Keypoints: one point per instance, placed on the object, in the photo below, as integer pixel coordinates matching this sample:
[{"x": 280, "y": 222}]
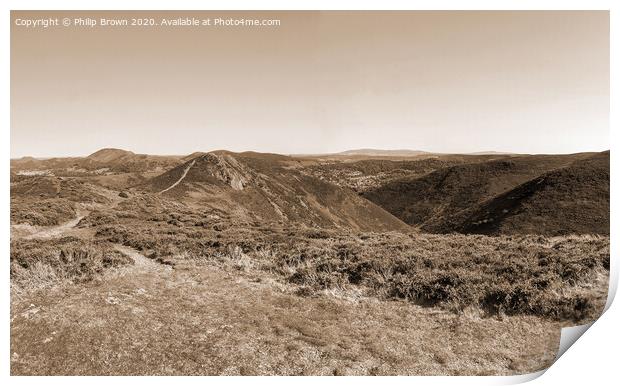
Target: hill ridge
[
  {"x": 570, "y": 200},
  {"x": 256, "y": 187},
  {"x": 443, "y": 201}
]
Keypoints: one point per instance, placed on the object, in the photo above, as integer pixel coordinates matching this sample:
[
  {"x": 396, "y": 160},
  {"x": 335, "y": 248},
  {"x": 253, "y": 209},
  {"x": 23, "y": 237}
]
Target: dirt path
[
  {"x": 27, "y": 231},
  {"x": 180, "y": 179},
  {"x": 141, "y": 262},
  {"x": 58, "y": 230},
  {"x": 208, "y": 320}
]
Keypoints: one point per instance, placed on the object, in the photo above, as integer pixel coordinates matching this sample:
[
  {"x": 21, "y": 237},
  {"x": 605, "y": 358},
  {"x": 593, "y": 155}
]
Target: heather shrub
[{"x": 37, "y": 264}]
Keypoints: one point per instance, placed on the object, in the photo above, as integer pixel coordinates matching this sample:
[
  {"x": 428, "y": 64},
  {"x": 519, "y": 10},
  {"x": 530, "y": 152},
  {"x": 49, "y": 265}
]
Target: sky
[{"x": 320, "y": 82}]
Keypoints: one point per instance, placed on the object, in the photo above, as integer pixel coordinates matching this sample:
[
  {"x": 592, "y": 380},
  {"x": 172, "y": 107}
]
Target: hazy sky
[{"x": 534, "y": 82}]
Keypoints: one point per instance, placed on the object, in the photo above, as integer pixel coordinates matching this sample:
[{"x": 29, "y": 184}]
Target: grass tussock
[{"x": 38, "y": 264}]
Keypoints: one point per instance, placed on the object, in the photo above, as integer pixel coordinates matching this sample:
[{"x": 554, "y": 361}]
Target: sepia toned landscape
[
  {"x": 357, "y": 263},
  {"x": 305, "y": 192}
]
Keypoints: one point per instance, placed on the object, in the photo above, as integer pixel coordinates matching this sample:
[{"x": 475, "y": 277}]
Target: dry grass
[
  {"x": 39, "y": 264},
  {"x": 526, "y": 275},
  {"x": 211, "y": 321}
]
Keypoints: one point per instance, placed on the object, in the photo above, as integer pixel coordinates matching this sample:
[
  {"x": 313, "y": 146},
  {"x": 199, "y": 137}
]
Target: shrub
[
  {"x": 45, "y": 212},
  {"x": 37, "y": 264}
]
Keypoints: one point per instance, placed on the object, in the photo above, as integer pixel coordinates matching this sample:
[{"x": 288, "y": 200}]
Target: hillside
[
  {"x": 32, "y": 165},
  {"x": 367, "y": 174},
  {"x": 45, "y": 200},
  {"x": 263, "y": 188},
  {"x": 570, "y": 200},
  {"x": 123, "y": 161},
  {"x": 109, "y": 155},
  {"x": 440, "y": 201},
  {"x": 104, "y": 161}
]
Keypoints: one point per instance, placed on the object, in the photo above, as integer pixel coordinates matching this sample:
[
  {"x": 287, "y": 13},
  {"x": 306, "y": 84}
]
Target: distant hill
[
  {"x": 440, "y": 201},
  {"x": 256, "y": 187},
  {"x": 367, "y": 174},
  {"x": 112, "y": 160},
  {"x": 490, "y": 153},
  {"x": 383, "y": 153},
  {"x": 109, "y": 155},
  {"x": 31, "y": 163},
  {"x": 569, "y": 200}
]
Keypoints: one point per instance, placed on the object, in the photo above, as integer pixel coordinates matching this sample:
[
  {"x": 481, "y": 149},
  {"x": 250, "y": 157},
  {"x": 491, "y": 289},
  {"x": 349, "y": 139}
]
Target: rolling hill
[
  {"x": 110, "y": 155},
  {"x": 441, "y": 201},
  {"x": 264, "y": 188},
  {"x": 123, "y": 161},
  {"x": 569, "y": 200},
  {"x": 102, "y": 161}
]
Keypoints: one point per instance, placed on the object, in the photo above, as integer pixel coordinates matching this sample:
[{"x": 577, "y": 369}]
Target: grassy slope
[
  {"x": 271, "y": 193},
  {"x": 46, "y": 201},
  {"x": 275, "y": 301},
  {"x": 562, "y": 278},
  {"x": 570, "y": 200},
  {"x": 440, "y": 201},
  {"x": 205, "y": 320}
]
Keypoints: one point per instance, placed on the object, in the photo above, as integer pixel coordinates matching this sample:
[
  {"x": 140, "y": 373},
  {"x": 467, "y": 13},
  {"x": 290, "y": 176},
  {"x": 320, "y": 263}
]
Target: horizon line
[{"x": 420, "y": 152}]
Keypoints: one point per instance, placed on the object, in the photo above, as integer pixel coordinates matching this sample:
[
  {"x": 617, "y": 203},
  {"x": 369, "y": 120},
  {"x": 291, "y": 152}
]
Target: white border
[{"x": 594, "y": 356}]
